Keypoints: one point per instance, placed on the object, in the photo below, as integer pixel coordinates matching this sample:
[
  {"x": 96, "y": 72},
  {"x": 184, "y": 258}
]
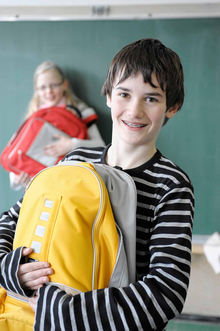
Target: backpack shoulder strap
[
  {"x": 75, "y": 109},
  {"x": 123, "y": 197}
]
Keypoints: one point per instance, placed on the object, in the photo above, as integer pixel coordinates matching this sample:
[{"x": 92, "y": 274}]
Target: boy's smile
[
  {"x": 138, "y": 111},
  {"x": 133, "y": 125}
]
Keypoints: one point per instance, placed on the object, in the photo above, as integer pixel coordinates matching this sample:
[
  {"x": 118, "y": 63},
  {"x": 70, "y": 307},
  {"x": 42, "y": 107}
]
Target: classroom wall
[{"x": 84, "y": 49}]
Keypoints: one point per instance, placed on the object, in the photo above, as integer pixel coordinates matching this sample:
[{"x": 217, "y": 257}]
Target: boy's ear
[
  {"x": 172, "y": 111},
  {"x": 108, "y": 101}
]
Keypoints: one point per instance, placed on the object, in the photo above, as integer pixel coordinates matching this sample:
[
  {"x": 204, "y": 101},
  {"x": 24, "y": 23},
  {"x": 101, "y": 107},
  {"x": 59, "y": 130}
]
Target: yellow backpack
[{"x": 80, "y": 217}]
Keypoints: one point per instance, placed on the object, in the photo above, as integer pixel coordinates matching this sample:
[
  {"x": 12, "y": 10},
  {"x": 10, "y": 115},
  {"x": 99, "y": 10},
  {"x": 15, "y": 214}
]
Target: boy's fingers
[
  {"x": 33, "y": 267},
  {"x": 33, "y": 275},
  {"x": 35, "y": 283},
  {"x": 26, "y": 251},
  {"x": 35, "y": 278},
  {"x": 38, "y": 286},
  {"x": 33, "y": 302}
]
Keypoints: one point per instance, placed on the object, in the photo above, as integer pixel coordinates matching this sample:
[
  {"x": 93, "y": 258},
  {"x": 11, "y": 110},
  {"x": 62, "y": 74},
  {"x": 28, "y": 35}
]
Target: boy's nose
[{"x": 136, "y": 109}]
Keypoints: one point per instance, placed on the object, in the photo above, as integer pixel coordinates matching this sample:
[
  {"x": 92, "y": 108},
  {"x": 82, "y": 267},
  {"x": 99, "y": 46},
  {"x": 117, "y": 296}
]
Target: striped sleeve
[
  {"x": 9, "y": 259},
  {"x": 88, "y": 113},
  {"x": 159, "y": 293}
]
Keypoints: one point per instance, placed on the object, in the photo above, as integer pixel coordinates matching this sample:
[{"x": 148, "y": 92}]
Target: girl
[{"x": 52, "y": 89}]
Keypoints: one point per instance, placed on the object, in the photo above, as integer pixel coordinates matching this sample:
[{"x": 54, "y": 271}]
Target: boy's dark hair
[{"x": 149, "y": 56}]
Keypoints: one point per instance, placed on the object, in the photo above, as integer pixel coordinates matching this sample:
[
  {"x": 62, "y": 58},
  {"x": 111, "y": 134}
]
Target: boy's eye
[
  {"x": 151, "y": 99},
  {"x": 124, "y": 95}
]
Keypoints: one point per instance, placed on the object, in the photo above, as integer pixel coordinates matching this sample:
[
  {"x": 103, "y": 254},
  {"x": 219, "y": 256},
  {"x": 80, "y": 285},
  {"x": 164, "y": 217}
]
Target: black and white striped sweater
[{"x": 163, "y": 253}]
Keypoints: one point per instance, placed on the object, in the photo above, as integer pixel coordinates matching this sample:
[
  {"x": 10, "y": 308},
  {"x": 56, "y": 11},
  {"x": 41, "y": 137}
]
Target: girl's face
[{"x": 50, "y": 88}]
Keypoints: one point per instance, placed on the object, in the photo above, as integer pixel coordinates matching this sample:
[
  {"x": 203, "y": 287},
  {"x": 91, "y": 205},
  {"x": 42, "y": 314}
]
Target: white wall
[{"x": 106, "y": 9}]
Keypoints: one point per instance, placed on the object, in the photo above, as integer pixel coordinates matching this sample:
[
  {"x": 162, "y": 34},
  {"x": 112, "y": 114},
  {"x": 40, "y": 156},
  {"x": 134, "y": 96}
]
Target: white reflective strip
[
  {"x": 36, "y": 246},
  {"x": 48, "y": 204},
  {"x": 44, "y": 216},
  {"x": 40, "y": 231}
]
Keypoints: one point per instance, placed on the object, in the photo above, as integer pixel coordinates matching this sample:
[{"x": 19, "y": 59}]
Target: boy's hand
[
  {"x": 33, "y": 302},
  {"x": 33, "y": 275}
]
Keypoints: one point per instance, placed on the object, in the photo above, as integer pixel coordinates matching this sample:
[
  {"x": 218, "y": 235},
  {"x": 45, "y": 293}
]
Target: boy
[{"x": 144, "y": 89}]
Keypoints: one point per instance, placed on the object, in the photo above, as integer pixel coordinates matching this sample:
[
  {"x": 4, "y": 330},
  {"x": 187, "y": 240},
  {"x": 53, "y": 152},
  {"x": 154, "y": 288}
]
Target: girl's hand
[
  {"x": 33, "y": 275},
  {"x": 22, "y": 179},
  {"x": 63, "y": 146}
]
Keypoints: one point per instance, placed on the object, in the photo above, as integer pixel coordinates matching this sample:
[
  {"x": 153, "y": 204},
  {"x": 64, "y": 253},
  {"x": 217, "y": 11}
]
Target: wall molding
[{"x": 108, "y": 10}]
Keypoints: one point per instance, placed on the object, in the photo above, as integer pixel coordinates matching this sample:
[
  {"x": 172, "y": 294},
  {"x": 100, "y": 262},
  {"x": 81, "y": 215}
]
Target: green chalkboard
[{"x": 84, "y": 49}]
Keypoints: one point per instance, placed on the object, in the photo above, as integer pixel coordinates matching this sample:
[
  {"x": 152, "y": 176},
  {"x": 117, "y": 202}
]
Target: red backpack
[{"x": 25, "y": 149}]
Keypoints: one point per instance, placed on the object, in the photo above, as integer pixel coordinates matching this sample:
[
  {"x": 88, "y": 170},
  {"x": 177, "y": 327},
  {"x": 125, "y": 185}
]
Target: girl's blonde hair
[{"x": 34, "y": 104}]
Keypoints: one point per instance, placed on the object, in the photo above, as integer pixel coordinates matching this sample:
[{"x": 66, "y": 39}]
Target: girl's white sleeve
[
  {"x": 94, "y": 140},
  {"x": 13, "y": 185}
]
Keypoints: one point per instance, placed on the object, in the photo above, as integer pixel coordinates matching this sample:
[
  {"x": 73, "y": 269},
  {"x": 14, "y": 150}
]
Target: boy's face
[{"x": 138, "y": 111}]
